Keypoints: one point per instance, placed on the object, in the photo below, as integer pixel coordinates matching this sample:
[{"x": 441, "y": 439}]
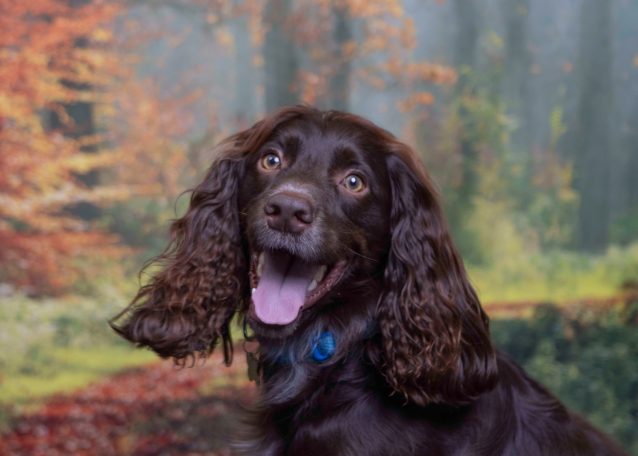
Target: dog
[{"x": 325, "y": 234}]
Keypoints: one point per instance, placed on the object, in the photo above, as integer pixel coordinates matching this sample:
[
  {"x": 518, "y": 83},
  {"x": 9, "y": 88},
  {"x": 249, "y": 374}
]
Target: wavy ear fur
[
  {"x": 186, "y": 307},
  {"x": 435, "y": 335}
]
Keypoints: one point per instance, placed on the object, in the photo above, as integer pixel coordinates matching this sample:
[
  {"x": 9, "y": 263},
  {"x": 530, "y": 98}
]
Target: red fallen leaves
[{"x": 154, "y": 410}]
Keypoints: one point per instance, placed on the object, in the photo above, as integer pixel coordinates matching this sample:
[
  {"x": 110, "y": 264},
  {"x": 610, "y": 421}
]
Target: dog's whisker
[{"x": 354, "y": 252}]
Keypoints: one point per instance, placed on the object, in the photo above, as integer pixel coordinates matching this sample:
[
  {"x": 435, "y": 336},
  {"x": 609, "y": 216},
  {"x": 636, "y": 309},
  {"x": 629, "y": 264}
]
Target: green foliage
[
  {"x": 588, "y": 360},
  {"x": 557, "y": 125},
  {"x": 515, "y": 273},
  {"x": 624, "y": 229},
  {"x": 465, "y": 151},
  {"x": 42, "y": 339},
  {"x": 496, "y": 193},
  {"x": 64, "y": 369}
]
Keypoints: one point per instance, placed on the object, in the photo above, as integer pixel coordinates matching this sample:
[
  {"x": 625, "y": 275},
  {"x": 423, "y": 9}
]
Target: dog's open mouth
[{"x": 283, "y": 284}]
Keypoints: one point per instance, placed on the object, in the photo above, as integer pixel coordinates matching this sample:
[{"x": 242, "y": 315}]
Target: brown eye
[
  {"x": 270, "y": 162},
  {"x": 354, "y": 183}
]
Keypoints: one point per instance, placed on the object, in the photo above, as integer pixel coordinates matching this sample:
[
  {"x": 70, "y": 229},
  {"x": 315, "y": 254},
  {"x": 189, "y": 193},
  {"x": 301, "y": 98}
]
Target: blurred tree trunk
[
  {"x": 280, "y": 58},
  {"x": 623, "y": 191},
  {"x": 80, "y": 123},
  {"x": 465, "y": 50},
  {"x": 339, "y": 84},
  {"x": 516, "y": 71},
  {"x": 245, "y": 96},
  {"x": 591, "y": 134},
  {"x": 467, "y": 33},
  {"x": 631, "y": 149}
]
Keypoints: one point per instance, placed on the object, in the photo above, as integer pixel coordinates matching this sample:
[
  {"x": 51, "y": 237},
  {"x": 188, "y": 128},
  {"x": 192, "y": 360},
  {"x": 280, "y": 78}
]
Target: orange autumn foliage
[
  {"x": 147, "y": 127},
  {"x": 43, "y": 69}
]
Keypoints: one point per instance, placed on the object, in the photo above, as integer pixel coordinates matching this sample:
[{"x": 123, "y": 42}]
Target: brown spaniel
[{"x": 326, "y": 235}]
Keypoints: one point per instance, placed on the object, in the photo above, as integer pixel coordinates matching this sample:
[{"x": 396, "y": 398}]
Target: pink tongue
[{"x": 282, "y": 288}]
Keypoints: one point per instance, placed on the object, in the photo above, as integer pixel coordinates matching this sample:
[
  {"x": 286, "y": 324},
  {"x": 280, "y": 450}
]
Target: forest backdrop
[{"x": 524, "y": 111}]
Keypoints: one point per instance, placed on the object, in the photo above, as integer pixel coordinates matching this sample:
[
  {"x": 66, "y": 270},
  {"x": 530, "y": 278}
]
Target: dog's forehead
[{"x": 325, "y": 145}]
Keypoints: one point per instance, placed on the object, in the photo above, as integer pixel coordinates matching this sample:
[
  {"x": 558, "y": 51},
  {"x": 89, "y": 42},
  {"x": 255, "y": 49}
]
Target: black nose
[{"x": 289, "y": 212}]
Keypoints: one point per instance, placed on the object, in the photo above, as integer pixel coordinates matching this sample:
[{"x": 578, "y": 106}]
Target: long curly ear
[
  {"x": 186, "y": 307},
  {"x": 435, "y": 335}
]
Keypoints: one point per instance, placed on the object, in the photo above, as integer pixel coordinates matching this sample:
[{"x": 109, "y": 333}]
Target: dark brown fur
[{"x": 414, "y": 372}]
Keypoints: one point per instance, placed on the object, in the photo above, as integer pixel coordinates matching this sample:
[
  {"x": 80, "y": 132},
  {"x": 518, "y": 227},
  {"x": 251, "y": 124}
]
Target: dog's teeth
[
  {"x": 260, "y": 264},
  {"x": 321, "y": 272},
  {"x": 312, "y": 285}
]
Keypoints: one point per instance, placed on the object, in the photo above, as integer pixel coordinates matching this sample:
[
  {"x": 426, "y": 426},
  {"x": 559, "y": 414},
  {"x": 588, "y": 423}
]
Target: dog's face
[
  {"x": 307, "y": 214},
  {"x": 314, "y": 205}
]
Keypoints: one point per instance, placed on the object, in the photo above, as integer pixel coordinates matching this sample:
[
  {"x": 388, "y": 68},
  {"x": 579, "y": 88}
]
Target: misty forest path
[{"x": 156, "y": 409}]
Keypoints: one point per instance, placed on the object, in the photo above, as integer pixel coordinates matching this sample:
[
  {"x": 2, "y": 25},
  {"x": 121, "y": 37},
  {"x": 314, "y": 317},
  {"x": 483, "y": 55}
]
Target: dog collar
[{"x": 322, "y": 348}]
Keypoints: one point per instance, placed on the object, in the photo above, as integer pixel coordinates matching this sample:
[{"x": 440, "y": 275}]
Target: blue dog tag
[{"x": 324, "y": 347}]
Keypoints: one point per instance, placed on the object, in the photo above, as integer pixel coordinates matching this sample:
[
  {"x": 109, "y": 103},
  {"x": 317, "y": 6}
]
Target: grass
[
  {"x": 56, "y": 345},
  {"x": 559, "y": 288},
  {"x": 556, "y": 276},
  {"x": 75, "y": 367}
]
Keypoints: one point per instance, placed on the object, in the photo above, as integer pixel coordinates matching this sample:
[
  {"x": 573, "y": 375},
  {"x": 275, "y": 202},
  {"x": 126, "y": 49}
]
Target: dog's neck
[
  {"x": 346, "y": 322},
  {"x": 302, "y": 359}
]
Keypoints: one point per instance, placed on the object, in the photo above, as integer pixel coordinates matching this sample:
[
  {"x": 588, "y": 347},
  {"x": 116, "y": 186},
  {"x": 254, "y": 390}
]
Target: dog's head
[
  {"x": 304, "y": 211},
  {"x": 314, "y": 205}
]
